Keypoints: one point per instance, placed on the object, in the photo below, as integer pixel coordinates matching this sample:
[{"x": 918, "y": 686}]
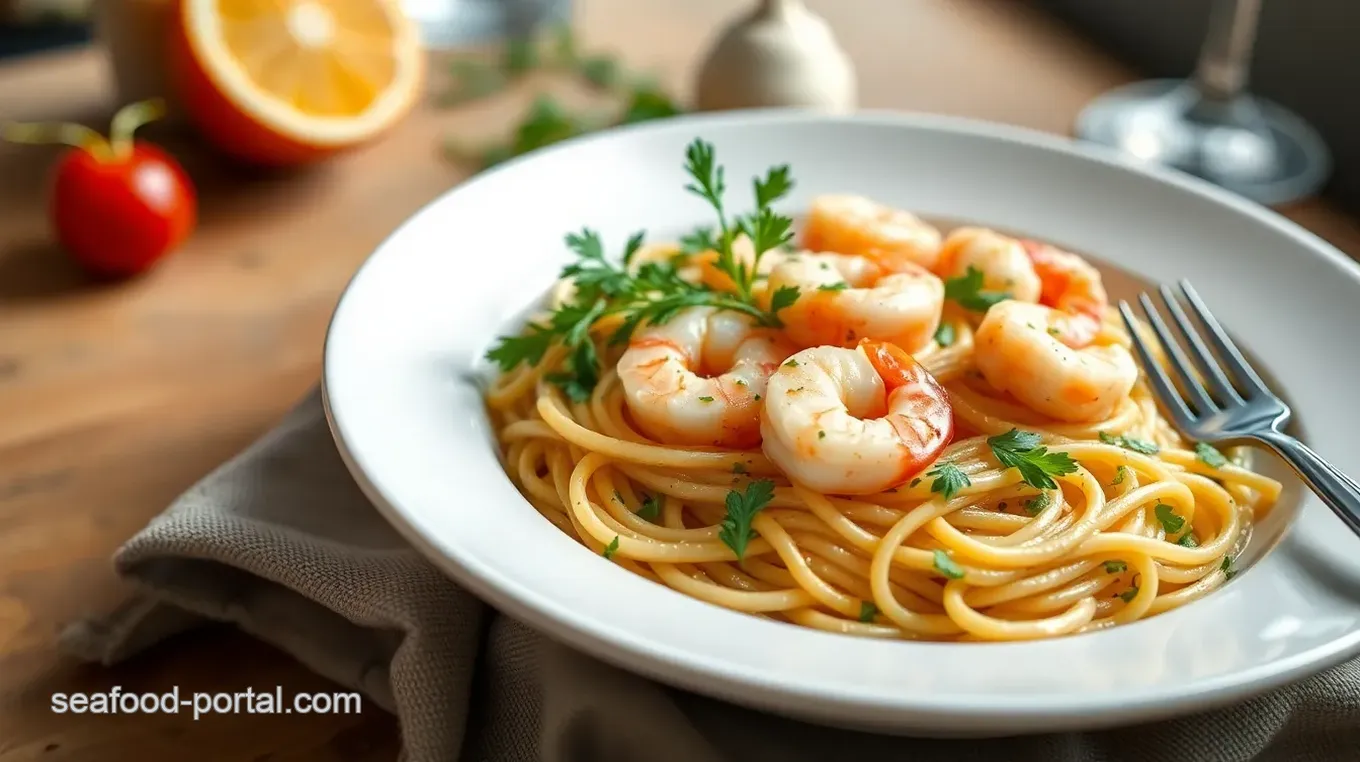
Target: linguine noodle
[{"x": 1128, "y": 534}]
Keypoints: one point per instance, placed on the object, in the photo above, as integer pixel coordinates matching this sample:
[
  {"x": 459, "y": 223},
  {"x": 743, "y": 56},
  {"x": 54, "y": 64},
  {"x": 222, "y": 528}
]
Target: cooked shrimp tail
[
  {"x": 699, "y": 378},
  {"x": 854, "y": 421}
]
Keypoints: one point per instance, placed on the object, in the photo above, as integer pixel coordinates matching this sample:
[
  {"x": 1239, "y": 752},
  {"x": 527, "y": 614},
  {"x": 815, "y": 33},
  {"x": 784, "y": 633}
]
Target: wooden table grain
[{"x": 113, "y": 399}]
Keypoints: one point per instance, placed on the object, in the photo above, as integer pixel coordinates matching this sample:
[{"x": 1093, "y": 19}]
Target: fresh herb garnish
[
  {"x": 648, "y": 103},
  {"x": 698, "y": 241},
  {"x": 650, "y": 294},
  {"x": 1210, "y": 455},
  {"x": 1037, "y": 504},
  {"x": 650, "y": 508},
  {"x": 705, "y": 399},
  {"x": 520, "y": 55},
  {"x": 833, "y": 286},
  {"x": 735, "y": 530},
  {"x": 867, "y": 611},
  {"x": 944, "y": 335},
  {"x": 792, "y": 363},
  {"x": 821, "y": 435},
  {"x": 1170, "y": 521},
  {"x": 1115, "y": 567},
  {"x": 1128, "y": 595},
  {"x": 1228, "y": 571},
  {"x": 570, "y": 326},
  {"x": 547, "y": 121},
  {"x": 1037, "y": 466},
  {"x": 967, "y": 291},
  {"x": 946, "y": 565},
  {"x": 1188, "y": 540},
  {"x": 1130, "y": 443},
  {"x": 914, "y": 482},
  {"x": 601, "y": 71},
  {"x": 1119, "y": 474},
  {"x": 611, "y": 548},
  {"x": 739, "y": 468},
  {"x": 949, "y": 479},
  {"x": 766, "y": 229}
]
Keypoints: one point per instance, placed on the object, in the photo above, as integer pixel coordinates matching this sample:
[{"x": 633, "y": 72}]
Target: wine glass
[{"x": 1210, "y": 125}]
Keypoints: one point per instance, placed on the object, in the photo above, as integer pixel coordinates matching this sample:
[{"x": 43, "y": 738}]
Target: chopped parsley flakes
[
  {"x": 735, "y": 530},
  {"x": 650, "y": 508},
  {"x": 1021, "y": 450},
  {"x": 867, "y": 611},
  {"x": 946, "y": 565},
  {"x": 967, "y": 291},
  {"x": 1209, "y": 455},
  {"x": 1035, "y": 505},
  {"x": 944, "y": 335},
  {"x": 1134, "y": 444},
  {"x": 949, "y": 479},
  {"x": 1172, "y": 523}
]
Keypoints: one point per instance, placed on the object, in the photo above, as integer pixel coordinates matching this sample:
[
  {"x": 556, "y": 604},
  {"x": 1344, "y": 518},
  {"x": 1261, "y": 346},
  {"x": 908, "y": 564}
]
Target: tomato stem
[
  {"x": 47, "y": 133},
  {"x": 128, "y": 119}
]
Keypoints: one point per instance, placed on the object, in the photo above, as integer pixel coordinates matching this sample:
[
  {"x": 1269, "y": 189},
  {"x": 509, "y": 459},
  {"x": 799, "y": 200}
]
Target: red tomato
[
  {"x": 118, "y": 205},
  {"x": 119, "y": 216}
]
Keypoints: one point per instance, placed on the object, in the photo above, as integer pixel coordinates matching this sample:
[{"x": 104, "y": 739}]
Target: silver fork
[{"x": 1237, "y": 405}]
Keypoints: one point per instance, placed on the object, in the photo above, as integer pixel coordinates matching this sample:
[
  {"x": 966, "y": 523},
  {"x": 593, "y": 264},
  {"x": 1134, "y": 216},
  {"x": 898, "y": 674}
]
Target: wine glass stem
[{"x": 1225, "y": 58}]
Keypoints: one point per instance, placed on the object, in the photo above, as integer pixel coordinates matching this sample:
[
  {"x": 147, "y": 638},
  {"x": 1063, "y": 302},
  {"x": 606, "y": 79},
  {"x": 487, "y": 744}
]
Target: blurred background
[
  {"x": 1304, "y": 56},
  {"x": 116, "y": 395}
]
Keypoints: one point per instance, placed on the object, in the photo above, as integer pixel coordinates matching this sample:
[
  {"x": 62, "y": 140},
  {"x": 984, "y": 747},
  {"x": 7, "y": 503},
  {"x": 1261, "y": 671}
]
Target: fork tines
[{"x": 1229, "y": 384}]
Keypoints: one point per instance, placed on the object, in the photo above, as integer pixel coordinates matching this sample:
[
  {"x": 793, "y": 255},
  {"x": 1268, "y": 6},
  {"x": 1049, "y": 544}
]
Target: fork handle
[{"x": 1337, "y": 490}]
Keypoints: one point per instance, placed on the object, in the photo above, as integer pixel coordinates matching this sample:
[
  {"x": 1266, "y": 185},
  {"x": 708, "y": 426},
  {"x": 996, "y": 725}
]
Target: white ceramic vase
[{"x": 779, "y": 55}]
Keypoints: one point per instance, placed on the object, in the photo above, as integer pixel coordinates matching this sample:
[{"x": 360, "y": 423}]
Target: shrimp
[
  {"x": 698, "y": 378},
  {"x": 843, "y": 299},
  {"x": 1002, "y": 260},
  {"x": 744, "y": 253},
  {"x": 854, "y": 421},
  {"x": 1072, "y": 285},
  {"x": 856, "y": 225},
  {"x": 1019, "y": 350}
]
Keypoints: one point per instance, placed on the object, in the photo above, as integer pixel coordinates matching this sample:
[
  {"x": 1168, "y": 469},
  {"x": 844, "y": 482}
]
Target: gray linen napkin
[{"x": 282, "y": 543}]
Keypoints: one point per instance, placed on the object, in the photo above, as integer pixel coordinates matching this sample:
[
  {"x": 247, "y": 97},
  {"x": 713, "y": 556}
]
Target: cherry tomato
[{"x": 117, "y": 206}]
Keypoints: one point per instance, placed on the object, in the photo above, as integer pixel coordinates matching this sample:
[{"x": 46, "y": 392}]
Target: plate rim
[{"x": 959, "y": 710}]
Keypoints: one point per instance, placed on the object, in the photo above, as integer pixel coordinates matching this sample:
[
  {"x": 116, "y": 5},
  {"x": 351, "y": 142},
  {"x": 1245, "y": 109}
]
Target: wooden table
[{"x": 115, "y": 399}]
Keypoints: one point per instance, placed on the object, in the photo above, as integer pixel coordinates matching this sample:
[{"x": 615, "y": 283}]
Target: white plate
[{"x": 413, "y": 325}]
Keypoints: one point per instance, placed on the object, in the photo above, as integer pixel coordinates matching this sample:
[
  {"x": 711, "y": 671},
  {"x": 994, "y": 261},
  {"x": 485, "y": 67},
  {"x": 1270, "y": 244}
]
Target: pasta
[{"x": 1020, "y": 524}]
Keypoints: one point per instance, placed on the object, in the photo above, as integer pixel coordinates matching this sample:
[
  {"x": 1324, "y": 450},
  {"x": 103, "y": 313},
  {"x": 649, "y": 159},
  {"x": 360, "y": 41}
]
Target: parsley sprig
[
  {"x": 867, "y": 611},
  {"x": 1210, "y": 455},
  {"x": 651, "y": 293},
  {"x": 947, "y": 566},
  {"x": 949, "y": 479},
  {"x": 765, "y": 228},
  {"x": 1171, "y": 522},
  {"x": 967, "y": 290},
  {"x": 1133, "y": 444},
  {"x": 1022, "y": 450},
  {"x": 735, "y": 530}
]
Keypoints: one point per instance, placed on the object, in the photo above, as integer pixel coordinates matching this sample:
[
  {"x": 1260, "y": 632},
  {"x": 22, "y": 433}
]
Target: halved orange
[{"x": 284, "y": 82}]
